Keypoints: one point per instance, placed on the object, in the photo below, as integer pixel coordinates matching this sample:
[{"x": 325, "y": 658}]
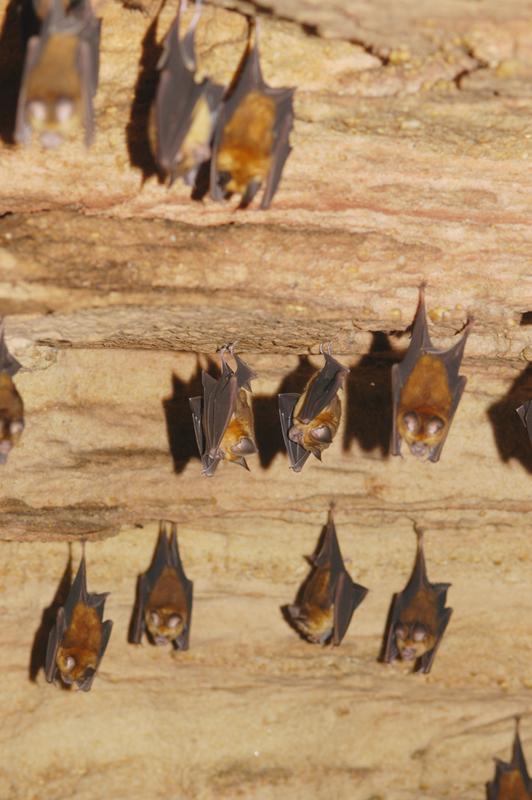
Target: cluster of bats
[
  {"x": 238, "y": 136},
  {"x": 426, "y": 389}
]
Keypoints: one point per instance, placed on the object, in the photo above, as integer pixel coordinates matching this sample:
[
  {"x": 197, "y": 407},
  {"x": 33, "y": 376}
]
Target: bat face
[
  {"x": 512, "y": 781},
  {"x": 417, "y": 618},
  {"x": 251, "y": 139},
  {"x": 426, "y": 391},
  {"x": 310, "y": 421},
  {"x": 328, "y": 597},
  {"x": 78, "y": 640},
  {"x": 163, "y": 609},
  {"x": 223, "y": 417},
  {"x": 60, "y": 78},
  {"x": 184, "y": 112},
  {"x": 11, "y": 416}
]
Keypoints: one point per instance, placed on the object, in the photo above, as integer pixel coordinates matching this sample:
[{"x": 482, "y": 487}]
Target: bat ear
[
  {"x": 245, "y": 446},
  {"x": 243, "y": 463},
  {"x": 322, "y": 434},
  {"x": 293, "y": 611}
]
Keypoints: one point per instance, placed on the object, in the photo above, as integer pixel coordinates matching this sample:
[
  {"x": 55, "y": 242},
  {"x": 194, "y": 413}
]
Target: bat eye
[
  {"x": 322, "y": 434},
  {"x": 37, "y": 110},
  {"x": 400, "y": 632},
  {"x": 70, "y": 663},
  {"x": 174, "y": 621},
  {"x": 411, "y": 421},
  {"x": 63, "y": 110},
  {"x": 434, "y": 425},
  {"x": 420, "y": 634},
  {"x": 155, "y": 618},
  {"x": 16, "y": 427}
]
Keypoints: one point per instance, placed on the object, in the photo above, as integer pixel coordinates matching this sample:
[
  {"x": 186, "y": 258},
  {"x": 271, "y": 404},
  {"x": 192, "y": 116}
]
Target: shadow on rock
[
  {"x": 510, "y": 434},
  {"x": 40, "y": 640}
]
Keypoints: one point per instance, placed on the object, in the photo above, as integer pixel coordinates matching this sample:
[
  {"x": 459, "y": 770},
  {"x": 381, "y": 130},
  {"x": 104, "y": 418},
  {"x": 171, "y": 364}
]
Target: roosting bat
[
  {"x": 525, "y": 412},
  {"x": 251, "y": 138},
  {"x": 426, "y": 390},
  {"x": 223, "y": 417},
  {"x": 309, "y": 421},
  {"x": 328, "y": 598},
  {"x": 417, "y": 618},
  {"x": 60, "y": 77},
  {"x": 78, "y": 640},
  {"x": 184, "y": 111},
  {"x": 512, "y": 781},
  {"x": 11, "y": 405},
  {"x": 164, "y": 597}
]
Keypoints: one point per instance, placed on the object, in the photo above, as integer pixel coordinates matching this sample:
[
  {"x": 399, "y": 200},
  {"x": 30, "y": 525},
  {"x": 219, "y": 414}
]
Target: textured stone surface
[{"x": 412, "y": 149}]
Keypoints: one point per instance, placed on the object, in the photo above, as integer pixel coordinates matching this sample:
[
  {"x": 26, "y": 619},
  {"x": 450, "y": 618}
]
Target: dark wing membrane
[
  {"x": 182, "y": 641},
  {"x": 244, "y": 374},
  {"x": 418, "y": 579},
  {"x": 196, "y": 407},
  {"x": 284, "y": 123},
  {"x": 219, "y": 401},
  {"x": 389, "y": 650},
  {"x": 138, "y": 625},
  {"x": 348, "y": 596},
  {"x": 55, "y": 638},
  {"x": 329, "y": 553},
  {"x": 323, "y": 389},
  {"x": 78, "y": 591},
  {"x": 397, "y": 388},
  {"x": 297, "y": 455},
  {"x": 420, "y": 342},
  {"x": 8, "y": 363},
  {"x": 525, "y": 413},
  {"x": 428, "y": 658}
]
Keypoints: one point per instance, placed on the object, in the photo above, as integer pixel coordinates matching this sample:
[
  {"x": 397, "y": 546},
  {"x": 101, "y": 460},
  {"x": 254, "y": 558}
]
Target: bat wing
[
  {"x": 8, "y": 363},
  {"x": 78, "y": 591},
  {"x": 389, "y": 650},
  {"x": 297, "y": 455},
  {"x": 397, "y": 388},
  {"x": 428, "y": 658},
  {"x": 89, "y": 67},
  {"x": 244, "y": 374},
  {"x": 55, "y": 638},
  {"x": 525, "y": 413},
  {"x": 182, "y": 641},
  {"x": 281, "y": 149},
  {"x": 138, "y": 626},
  {"x": 457, "y": 390},
  {"x": 219, "y": 402},
  {"x": 348, "y": 595},
  {"x": 85, "y": 684},
  {"x": 196, "y": 406},
  {"x": 323, "y": 389}
]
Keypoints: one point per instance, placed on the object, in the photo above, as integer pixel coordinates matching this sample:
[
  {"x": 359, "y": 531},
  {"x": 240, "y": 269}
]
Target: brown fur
[
  {"x": 240, "y": 426},
  {"x": 167, "y": 599},
  {"x": 316, "y": 612},
  {"x": 11, "y": 408},
  {"x": 82, "y": 641},
  {"x": 423, "y": 610},
  {"x": 196, "y": 147},
  {"x": 330, "y": 416},
  {"x": 427, "y": 393},
  {"x": 247, "y": 142},
  {"x": 512, "y": 787}
]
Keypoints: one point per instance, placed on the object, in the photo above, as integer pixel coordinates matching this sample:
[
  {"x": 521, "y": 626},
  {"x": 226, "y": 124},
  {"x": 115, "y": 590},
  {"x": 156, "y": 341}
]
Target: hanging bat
[
  {"x": 251, "y": 138},
  {"x": 525, "y": 412},
  {"x": 512, "y": 781},
  {"x": 60, "y": 77},
  {"x": 78, "y": 640},
  {"x": 223, "y": 417},
  {"x": 417, "y": 618},
  {"x": 328, "y": 597},
  {"x": 426, "y": 390},
  {"x": 163, "y": 609},
  {"x": 11, "y": 405},
  {"x": 184, "y": 111},
  {"x": 309, "y": 421}
]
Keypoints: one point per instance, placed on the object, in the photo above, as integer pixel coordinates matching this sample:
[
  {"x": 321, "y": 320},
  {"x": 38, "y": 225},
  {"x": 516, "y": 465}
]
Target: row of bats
[
  {"x": 321, "y": 613},
  {"x": 239, "y": 134},
  {"x": 426, "y": 389}
]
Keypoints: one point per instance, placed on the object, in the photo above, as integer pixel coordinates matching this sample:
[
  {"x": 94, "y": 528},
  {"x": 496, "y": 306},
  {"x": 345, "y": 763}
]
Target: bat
[
  {"x": 525, "y": 412},
  {"x": 223, "y": 417},
  {"x": 60, "y": 77},
  {"x": 511, "y": 781},
  {"x": 426, "y": 390},
  {"x": 417, "y": 618},
  {"x": 184, "y": 111},
  {"x": 11, "y": 405},
  {"x": 78, "y": 640},
  {"x": 328, "y": 597},
  {"x": 163, "y": 609},
  {"x": 309, "y": 421},
  {"x": 251, "y": 137}
]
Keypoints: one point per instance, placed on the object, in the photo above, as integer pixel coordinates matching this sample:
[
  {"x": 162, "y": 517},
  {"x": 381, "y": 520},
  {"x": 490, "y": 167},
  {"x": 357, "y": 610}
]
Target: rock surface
[{"x": 411, "y": 161}]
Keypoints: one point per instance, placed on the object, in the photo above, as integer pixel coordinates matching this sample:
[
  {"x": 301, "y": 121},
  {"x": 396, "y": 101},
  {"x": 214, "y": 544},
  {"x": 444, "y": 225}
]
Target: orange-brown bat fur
[
  {"x": 427, "y": 394},
  {"x": 247, "y": 142},
  {"x": 423, "y": 610},
  {"x": 512, "y": 787},
  {"x": 240, "y": 427},
  {"x": 196, "y": 146},
  {"x": 56, "y": 77},
  {"x": 11, "y": 409},
  {"x": 330, "y": 416},
  {"x": 167, "y": 600},
  {"x": 314, "y": 616},
  {"x": 82, "y": 642}
]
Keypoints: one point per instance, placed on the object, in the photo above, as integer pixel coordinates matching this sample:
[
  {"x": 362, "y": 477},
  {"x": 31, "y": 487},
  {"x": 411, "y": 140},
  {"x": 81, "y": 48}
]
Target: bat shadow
[
  {"x": 368, "y": 398},
  {"x": 48, "y": 618},
  {"x": 179, "y": 427},
  {"x": 510, "y": 434},
  {"x": 20, "y": 22},
  {"x": 300, "y": 594},
  {"x": 268, "y": 432},
  {"x": 137, "y": 136}
]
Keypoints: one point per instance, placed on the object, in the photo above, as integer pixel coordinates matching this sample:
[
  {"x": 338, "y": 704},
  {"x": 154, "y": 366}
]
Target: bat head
[
  {"x": 53, "y": 118},
  {"x": 315, "y": 624},
  {"x": 316, "y": 435},
  {"x": 76, "y": 664},
  {"x": 11, "y": 419},
  {"x": 164, "y": 624},
  {"x": 413, "y": 640},
  {"x": 422, "y": 430}
]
